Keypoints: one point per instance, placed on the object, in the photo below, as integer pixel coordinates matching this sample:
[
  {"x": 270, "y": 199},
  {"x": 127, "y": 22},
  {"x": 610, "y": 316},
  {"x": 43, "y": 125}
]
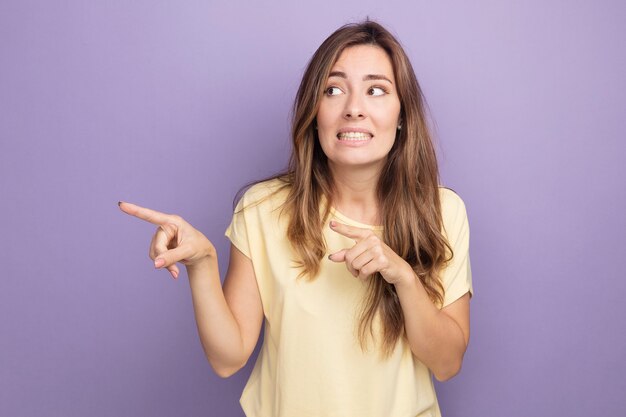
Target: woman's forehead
[{"x": 359, "y": 60}]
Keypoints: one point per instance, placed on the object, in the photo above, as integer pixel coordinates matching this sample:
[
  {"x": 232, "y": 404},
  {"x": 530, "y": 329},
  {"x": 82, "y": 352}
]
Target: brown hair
[{"x": 408, "y": 188}]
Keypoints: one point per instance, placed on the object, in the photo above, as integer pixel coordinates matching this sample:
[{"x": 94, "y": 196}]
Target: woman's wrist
[
  {"x": 201, "y": 267},
  {"x": 406, "y": 281}
]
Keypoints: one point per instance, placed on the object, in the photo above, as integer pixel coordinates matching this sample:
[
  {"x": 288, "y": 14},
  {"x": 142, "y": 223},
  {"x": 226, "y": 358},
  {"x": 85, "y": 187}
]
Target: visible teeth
[{"x": 354, "y": 136}]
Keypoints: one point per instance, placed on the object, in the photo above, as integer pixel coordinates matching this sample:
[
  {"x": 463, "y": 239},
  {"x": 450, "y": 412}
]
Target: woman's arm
[
  {"x": 438, "y": 338},
  {"x": 228, "y": 320}
]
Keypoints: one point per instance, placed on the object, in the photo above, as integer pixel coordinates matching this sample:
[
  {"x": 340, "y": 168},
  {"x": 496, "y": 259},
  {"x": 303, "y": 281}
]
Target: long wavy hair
[{"x": 407, "y": 191}]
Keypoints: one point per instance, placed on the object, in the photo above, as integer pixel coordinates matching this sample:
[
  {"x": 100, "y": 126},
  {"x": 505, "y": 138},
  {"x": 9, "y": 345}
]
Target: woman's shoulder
[
  {"x": 273, "y": 191},
  {"x": 449, "y": 196},
  {"x": 452, "y": 205}
]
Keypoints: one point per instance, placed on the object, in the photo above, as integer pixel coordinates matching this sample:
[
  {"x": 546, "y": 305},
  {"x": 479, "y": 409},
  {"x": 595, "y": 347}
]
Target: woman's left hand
[{"x": 369, "y": 255}]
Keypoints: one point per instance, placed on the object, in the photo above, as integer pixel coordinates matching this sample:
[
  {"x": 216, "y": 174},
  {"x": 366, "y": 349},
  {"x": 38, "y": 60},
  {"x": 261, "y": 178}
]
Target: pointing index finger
[
  {"x": 143, "y": 213},
  {"x": 352, "y": 232}
]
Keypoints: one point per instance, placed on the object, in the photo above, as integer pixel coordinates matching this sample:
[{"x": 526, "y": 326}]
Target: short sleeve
[
  {"x": 237, "y": 231},
  {"x": 456, "y": 277}
]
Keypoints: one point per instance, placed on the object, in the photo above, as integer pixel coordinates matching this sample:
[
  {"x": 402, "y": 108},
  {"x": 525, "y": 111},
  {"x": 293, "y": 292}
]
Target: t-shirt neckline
[{"x": 347, "y": 220}]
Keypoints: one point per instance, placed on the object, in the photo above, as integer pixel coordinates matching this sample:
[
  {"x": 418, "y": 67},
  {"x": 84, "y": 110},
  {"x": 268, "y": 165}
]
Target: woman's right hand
[{"x": 175, "y": 240}]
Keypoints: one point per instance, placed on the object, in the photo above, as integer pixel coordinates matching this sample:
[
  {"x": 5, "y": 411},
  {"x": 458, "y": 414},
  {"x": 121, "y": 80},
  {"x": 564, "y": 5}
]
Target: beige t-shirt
[{"x": 311, "y": 364}]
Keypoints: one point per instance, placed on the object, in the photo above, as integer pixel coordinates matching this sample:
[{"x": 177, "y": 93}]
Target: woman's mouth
[{"x": 354, "y": 136}]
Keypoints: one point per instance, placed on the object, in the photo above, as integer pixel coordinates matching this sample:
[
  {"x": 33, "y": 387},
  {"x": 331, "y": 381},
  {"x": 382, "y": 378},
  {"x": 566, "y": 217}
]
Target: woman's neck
[{"x": 355, "y": 193}]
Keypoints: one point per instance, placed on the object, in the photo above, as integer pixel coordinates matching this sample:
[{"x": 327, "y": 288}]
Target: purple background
[{"x": 175, "y": 105}]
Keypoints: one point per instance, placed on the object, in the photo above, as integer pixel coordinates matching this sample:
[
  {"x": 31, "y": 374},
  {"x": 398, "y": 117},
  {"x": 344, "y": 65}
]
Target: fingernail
[
  {"x": 119, "y": 203},
  {"x": 159, "y": 263},
  {"x": 175, "y": 274},
  {"x": 330, "y": 256},
  {"x": 333, "y": 223}
]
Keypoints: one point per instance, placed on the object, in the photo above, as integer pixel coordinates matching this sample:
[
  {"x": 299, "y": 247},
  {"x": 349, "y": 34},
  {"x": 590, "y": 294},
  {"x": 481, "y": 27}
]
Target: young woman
[{"x": 355, "y": 257}]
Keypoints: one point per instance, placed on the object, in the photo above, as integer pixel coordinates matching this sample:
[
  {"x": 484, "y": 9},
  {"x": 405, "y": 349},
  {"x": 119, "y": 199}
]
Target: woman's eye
[
  {"x": 376, "y": 91},
  {"x": 333, "y": 91}
]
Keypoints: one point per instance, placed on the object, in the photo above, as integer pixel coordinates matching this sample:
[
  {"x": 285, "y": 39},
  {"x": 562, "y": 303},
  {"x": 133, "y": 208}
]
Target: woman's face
[{"x": 359, "y": 112}]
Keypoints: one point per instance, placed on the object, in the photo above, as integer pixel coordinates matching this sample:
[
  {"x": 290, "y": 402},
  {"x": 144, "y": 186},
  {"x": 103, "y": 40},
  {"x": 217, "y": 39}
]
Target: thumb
[
  {"x": 168, "y": 260},
  {"x": 338, "y": 256}
]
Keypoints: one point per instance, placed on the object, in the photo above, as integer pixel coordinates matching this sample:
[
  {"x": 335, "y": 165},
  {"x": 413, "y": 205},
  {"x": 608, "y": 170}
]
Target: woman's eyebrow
[
  {"x": 376, "y": 77},
  {"x": 368, "y": 77}
]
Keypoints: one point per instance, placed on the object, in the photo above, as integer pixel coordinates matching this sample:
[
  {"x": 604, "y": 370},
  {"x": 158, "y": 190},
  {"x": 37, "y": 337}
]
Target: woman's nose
[{"x": 354, "y": 107}]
